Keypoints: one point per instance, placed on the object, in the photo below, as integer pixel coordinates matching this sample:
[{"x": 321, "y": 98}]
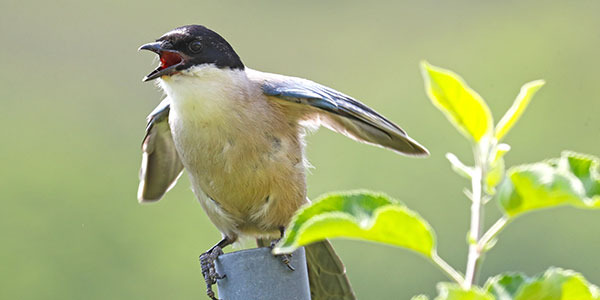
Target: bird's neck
[{"x": 206, "y": 91}]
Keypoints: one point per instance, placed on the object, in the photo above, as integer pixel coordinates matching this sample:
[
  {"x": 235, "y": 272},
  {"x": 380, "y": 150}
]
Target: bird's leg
[
  {"x": 207, "y": 264},
  {"x": 285, "y": 258}
]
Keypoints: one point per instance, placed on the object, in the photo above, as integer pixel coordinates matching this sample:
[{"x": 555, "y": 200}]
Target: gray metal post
[{"x": 255, "y": 274}]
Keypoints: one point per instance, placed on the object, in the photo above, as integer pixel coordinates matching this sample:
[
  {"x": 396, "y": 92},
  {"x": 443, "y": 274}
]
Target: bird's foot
[
  {"x": 286, "y": 259},
  {"x": 207, "y": 263}
]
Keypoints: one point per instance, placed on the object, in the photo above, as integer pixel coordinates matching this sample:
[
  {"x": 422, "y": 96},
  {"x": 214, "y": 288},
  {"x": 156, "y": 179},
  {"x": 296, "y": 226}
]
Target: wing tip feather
[
  {"x": 143, "y": 194},
  {"x": 419, "y": 150}
]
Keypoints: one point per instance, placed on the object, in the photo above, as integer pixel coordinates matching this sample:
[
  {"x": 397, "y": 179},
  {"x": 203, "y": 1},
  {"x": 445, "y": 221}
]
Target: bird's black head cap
[{"x": 191, "y": 45}]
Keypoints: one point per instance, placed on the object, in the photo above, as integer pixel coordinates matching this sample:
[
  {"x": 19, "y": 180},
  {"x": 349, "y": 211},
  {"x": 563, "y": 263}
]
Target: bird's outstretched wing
[
  {"x": 161, "y": 165},
  {"x": 341, "y": 113}
]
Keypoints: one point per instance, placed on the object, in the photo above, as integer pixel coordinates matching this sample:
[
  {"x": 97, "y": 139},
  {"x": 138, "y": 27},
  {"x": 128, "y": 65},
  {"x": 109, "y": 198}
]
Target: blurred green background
[{"x": 74, "y": 107}]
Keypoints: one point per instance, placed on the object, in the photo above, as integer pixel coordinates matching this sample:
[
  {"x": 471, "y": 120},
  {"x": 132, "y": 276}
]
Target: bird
[{"x": 240, "y": 134}]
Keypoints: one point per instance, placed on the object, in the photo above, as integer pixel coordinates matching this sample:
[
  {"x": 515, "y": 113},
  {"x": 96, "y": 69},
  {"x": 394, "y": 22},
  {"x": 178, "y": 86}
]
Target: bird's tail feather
[{"x": 326, "y": 273}]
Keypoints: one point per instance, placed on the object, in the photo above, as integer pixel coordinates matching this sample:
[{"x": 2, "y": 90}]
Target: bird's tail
[{"x": 326, "y": 273}]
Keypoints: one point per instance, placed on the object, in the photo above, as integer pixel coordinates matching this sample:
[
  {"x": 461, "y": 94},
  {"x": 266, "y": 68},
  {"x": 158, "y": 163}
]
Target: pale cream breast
[{"x": 244, "y": 153}]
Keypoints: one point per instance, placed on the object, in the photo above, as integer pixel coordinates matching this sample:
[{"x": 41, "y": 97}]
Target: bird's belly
[{"x": 248, "y": 177}]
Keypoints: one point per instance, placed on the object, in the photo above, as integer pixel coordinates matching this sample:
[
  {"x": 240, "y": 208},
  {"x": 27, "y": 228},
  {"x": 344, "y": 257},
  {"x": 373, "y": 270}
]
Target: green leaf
[
  {"x": 496, "y": 172},
  {"x": 554, "y": 284},
  {"x": 500, "y": 151},
  {"x": 420, "y": 297},
  {"x": 518, "y": 107},
  {"x": 505, "y": 286},
  {"x": 465, "y": 109},
  {"x": 569, "y": 180},
  {"x": 587, "y": 169},
  {"x": 359, "y": 215},
  {"x": 452, "y": 291}
]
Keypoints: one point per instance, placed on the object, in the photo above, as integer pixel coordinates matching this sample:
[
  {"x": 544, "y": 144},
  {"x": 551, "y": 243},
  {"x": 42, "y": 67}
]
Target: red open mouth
[{"x": 168, "y": 59}]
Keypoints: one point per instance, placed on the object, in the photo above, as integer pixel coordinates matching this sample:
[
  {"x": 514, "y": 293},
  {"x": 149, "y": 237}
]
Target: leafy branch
[{"x": 572, "y": 179}]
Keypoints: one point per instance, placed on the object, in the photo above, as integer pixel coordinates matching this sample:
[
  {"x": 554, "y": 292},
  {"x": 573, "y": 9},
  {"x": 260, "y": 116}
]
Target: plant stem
[
  {"x": 492, "y": 232},
  {"x": 475, "y": 229},
  {"x": 448, "y": 269}
]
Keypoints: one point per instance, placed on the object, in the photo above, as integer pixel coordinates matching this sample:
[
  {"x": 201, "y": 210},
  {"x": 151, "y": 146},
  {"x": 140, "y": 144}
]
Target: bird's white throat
[{"x": 206, "y": 90}]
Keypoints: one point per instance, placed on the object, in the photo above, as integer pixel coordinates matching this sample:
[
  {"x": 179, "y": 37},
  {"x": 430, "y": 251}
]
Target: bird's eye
[
  {"x": 166, "y": 45},
  {"x": 195, "y": 47}
]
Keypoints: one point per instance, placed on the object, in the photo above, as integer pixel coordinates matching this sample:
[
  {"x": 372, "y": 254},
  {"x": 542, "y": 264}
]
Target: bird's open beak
[{"x": 170, "y": 60}]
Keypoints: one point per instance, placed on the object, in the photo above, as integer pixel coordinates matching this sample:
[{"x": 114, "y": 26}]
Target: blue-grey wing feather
[
  {"x": 161, "y": 166},
  {"x": 343, "y": 113}
]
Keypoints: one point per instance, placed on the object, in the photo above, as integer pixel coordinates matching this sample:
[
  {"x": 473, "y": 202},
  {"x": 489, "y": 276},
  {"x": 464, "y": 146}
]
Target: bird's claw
[
  {"x": 207, "y": 263},
  {"x": 286, "y": 259}
]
